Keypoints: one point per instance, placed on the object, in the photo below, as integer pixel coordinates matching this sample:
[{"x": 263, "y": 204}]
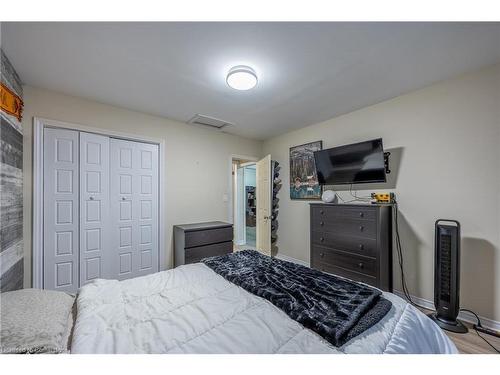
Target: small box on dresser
[
  {"x": 193, "y": 242},
  {"x": 353, "y": 241}
]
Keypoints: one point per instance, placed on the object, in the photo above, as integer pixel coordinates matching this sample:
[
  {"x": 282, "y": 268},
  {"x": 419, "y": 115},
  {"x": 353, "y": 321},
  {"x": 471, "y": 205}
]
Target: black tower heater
[{"x": 447, "y": 276}]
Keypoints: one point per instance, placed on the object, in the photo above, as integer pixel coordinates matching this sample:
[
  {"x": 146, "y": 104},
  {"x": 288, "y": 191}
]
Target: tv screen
[{"x": 351, "y": 164}]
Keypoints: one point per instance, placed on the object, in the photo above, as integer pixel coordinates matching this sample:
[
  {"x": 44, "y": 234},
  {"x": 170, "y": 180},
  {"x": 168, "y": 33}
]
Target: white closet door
[
  {"x": 134, "y": 207},
  {"x": 60, "y": 194},
  {"x": 95, "y": 254}
]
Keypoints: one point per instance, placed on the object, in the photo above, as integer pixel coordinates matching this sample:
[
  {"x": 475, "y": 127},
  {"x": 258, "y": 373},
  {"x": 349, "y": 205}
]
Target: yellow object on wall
[{"x": 10, "y": 102}]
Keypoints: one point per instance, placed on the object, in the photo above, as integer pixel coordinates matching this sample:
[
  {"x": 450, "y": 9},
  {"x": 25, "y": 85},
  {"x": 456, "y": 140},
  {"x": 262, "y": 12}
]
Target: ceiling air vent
[{"x": 209, "y": 122}]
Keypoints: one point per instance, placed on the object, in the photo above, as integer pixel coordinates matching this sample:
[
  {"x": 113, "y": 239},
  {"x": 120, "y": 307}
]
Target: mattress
[{"x": 191, "y": 309}]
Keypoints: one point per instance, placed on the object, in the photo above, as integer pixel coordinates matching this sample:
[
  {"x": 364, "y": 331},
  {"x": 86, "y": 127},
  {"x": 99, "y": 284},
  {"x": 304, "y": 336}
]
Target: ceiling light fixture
[{"x": 241, "y": 77}]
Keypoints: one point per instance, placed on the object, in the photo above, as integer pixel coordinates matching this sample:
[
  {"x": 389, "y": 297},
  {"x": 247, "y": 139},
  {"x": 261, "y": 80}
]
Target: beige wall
[
  {"x": 446, "y": 140},
  {"x": 197, "y": 160},
  {"x": 446, "y": 163}
]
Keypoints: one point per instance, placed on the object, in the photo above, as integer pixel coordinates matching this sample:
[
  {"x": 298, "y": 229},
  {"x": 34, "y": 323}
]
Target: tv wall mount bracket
[{"x": 386, "y": 162}]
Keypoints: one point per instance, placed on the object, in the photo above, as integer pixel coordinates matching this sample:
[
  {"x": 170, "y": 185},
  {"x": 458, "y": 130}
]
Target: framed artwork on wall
[{"x": 303, "y": 178}]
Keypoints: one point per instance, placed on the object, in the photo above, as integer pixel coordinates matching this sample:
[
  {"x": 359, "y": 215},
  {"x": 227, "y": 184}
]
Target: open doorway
[
  {"x": 254, "y": 203},
  {"x": 244, "y": 204}
]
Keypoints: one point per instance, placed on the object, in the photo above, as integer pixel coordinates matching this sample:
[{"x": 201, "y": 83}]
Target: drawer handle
[
  {"x": 361, "y": 246},
  {"x": 361, "y": 228},
  {"x": 361, "y": 214},
  {"x": 361, "y": 265},
  {"x": 321, "y": 223},
  {"x": 321, "y": 239},
  {"x": 322, "y": 212},
  {"x": 321, "y": 255}
]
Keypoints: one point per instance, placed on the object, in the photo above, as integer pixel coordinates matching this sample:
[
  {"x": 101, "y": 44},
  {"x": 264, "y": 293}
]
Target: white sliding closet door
[
  {"x": 134, "y": 208},
  {"x": 95, "y": 228},
  {"x": 61, "y": 201}
]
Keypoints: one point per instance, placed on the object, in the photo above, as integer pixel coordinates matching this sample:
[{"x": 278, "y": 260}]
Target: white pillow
[{"x": 35, "y": 321}]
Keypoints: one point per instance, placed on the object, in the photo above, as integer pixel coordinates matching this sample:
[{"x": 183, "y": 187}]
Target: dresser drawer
[
  {"x": 357, "y": 245},
  {"x": 208, "y": 236},
  {"x": 198, "y": 253},
  {"x": 350, "y": 212},
  {"x": 347, "y": 227},
  {"x": 355, "y": 276},
  {"x": 344, "y": 260}
]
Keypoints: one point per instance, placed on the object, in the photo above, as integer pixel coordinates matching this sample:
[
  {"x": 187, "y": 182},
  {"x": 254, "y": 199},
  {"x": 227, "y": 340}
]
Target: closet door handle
[
  {"x": 91, "y": 198},
  {"x": 123, "y": 198}
]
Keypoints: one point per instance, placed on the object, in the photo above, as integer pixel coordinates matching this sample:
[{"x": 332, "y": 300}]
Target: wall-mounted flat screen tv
[{"x": 357, "y": 163}]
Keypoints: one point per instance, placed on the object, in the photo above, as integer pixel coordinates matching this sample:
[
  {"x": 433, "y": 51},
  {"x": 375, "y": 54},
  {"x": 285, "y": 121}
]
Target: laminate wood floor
[{"x": 470, "y": 342}]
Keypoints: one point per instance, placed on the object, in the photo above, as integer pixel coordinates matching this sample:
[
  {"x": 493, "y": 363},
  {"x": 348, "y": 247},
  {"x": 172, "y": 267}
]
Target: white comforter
[{"x": 191, "y": 309}]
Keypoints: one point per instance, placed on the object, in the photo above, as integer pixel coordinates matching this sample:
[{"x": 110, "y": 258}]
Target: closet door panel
[
  {"x": 148, "y": 216},
  {"x": 61, "y": 217},
  {"x": 95, "y": 256},
  {"x": 134, "y": 207},
  {"x": 122, "y": 208}
]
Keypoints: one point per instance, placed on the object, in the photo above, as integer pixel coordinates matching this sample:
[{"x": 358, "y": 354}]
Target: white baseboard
[
  {"x": 292, "y": 260},
  {"x": 464, "y": 315}
]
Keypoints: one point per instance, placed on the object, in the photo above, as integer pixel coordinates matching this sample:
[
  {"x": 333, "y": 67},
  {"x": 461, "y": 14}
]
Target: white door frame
[
  {"x": 37, "y": 225},
  {"x": 239, "y": 208}
]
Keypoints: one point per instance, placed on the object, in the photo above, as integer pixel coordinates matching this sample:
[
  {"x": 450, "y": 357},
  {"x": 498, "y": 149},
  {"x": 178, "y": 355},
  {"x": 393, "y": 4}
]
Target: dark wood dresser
[
  {"x": 193, "y": 242},
  {"x": 353, "y": 241}
]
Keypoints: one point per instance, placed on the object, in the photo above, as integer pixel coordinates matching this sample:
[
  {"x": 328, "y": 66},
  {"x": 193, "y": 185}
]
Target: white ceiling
[{"x": 308, "y": 72}]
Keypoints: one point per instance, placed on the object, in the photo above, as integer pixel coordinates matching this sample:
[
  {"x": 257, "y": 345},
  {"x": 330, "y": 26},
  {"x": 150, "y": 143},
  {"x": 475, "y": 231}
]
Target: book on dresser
[
  {"x": 353, "y": 241},
  {"x": 193, "y": 242}
]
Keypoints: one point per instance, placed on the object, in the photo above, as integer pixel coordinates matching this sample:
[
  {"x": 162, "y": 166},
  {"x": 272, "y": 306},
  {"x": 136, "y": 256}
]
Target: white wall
[
  {"x": 250, "y": 176},
  {"x": 446, "y": 140},
  {"x": 197, "y": 160}
]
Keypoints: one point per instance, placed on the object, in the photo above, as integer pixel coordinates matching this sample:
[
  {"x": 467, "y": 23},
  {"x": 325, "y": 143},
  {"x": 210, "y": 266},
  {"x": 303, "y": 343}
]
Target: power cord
[
  {"x": 405, "y": 287},
  {"x": 401, "y": 265},
  {"x": 399, "y": 250},
  {"x": 479, "y": 325},
  {"x": 355, "y": 196},
  {"x": 398, "y": 245}
]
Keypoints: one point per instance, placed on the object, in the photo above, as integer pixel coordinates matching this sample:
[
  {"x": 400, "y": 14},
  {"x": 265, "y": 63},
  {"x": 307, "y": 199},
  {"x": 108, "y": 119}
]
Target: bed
[{"x": 193, "y": 309}]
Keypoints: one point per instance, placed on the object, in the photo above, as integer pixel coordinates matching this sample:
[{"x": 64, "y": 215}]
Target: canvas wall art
[{"x": 303, "y": 178}]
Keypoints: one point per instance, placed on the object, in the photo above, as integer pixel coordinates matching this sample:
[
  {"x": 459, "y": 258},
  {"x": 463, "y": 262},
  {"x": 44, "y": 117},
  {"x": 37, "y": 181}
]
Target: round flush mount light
[{"x": 242, "y": 78}]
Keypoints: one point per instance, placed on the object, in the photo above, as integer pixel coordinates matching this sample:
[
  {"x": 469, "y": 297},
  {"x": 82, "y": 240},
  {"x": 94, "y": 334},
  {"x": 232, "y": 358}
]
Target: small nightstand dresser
[
  {"x": 353, "y": 241},
  {"x": 193, "y": 242}
]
